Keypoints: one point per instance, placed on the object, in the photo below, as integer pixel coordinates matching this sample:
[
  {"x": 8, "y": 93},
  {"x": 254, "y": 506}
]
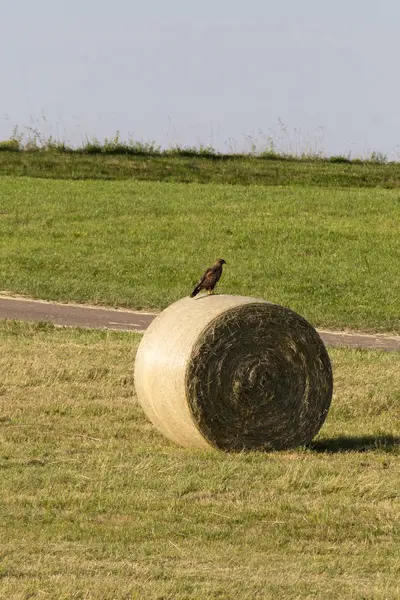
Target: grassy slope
[
  {"x": 333, "y": 255},
  {"x": 242, "y": 170},
  {"x": 96, "y": 504}
]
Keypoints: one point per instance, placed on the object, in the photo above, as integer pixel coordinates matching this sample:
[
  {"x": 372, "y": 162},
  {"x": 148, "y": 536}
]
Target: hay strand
[{"x": 233, "y": 373}]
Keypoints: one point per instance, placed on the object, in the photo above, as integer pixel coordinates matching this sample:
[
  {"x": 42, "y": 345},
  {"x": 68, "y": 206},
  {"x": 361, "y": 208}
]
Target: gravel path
[{"x": 127, "y": 320}]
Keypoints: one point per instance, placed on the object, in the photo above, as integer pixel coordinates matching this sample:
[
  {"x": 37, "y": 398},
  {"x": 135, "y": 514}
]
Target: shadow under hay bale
[
  {"x": 233, "y": 373},
  {"x": 363, "y": 443}
]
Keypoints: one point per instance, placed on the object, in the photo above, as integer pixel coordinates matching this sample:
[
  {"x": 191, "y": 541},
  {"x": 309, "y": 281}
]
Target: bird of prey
[{"x": 210, "y": 278}]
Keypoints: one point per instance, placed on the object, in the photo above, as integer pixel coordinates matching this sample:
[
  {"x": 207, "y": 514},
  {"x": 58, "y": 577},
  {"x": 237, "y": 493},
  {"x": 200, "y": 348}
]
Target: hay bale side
[{"x": 233, "y": 373}]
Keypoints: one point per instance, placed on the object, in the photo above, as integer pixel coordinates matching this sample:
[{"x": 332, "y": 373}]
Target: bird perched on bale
[{"x": 210, "y": 278}]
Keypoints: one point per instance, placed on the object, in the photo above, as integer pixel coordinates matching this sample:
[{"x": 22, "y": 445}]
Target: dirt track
[{"x": 125, "y": 320}]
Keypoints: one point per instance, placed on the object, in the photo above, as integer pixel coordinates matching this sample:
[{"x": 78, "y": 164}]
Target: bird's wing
[
  {"x": 205, "y": 278},
  {"x": 211, "y": 276}
]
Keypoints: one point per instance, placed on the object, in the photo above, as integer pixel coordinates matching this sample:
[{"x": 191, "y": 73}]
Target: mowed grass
[
  {"x": 332, "y": 255},
  {"x": 96, "y": 504}
]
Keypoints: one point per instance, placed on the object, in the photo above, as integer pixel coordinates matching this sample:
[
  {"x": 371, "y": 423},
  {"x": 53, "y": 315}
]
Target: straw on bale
[{"x": 233, "y": 373}]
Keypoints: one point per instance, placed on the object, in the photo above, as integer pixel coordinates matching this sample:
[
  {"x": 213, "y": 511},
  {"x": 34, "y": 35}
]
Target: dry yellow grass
[{"x": 96, "y": 504}]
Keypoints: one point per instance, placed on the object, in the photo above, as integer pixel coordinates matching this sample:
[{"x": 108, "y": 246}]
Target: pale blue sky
[{"x": 216, "y": 72}]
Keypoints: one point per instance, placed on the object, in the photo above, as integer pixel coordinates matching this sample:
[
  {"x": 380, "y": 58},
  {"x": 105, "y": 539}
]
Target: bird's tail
[{"x": 195, "y": 291}]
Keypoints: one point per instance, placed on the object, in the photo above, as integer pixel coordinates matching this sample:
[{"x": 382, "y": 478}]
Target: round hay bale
[{"x": 233, "y": 373}]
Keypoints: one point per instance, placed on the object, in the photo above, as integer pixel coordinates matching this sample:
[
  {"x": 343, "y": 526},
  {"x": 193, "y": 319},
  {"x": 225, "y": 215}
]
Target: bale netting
[{"x": 233, "y": 373}]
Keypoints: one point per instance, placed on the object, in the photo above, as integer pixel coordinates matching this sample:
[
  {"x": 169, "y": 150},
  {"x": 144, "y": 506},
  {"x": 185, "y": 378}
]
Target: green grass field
[
  {"x": 333, "y": 255},
  {"x": 245, "y": 170},
  {"x": 96, "y": 504}
]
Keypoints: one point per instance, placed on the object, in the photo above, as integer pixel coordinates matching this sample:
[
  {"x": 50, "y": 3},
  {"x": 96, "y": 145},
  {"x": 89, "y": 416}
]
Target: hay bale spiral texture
[{"x": 233, "y": 373}]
